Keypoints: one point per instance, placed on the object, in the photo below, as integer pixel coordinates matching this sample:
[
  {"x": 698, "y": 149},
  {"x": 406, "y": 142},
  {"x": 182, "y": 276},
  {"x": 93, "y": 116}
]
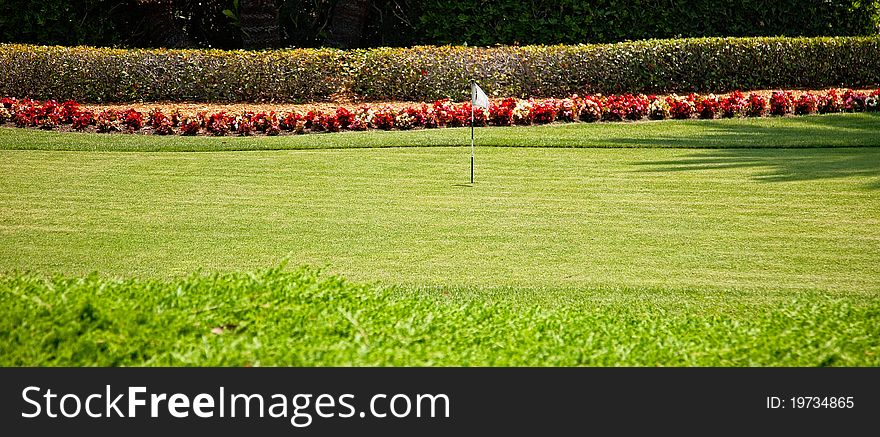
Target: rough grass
[{"x": 280, "y": 317}]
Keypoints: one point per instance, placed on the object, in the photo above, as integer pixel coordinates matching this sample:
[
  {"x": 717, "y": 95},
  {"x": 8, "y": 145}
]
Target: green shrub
[
  {"x": 111, "y": 75},
  {"x": 427, "y": 73}
]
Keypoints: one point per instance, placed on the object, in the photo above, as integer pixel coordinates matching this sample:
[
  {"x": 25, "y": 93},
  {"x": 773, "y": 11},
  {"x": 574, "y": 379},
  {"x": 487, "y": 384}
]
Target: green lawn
[
  {"x": 833, "y": 130},
  {"x": 661, "y": 253}
]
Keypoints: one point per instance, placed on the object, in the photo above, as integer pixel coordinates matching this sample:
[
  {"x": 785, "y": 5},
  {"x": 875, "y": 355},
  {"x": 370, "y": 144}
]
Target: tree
[
  {"x": 161, "y": 28},
  {"x": 258, "y": 20},
  {"x": 259, "y": 24},
  {"x": 347, "y": 24}
]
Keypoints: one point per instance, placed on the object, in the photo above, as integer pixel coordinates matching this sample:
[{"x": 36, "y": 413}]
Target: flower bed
[{"x": 70, "y": 115}]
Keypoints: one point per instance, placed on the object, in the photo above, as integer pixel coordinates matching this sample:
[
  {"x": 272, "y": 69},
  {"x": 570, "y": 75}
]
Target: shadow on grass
[
  {"x": 800, "y": 149},
  {"x": 853, "y": 130},
  {"x": 782, "y": 165}
]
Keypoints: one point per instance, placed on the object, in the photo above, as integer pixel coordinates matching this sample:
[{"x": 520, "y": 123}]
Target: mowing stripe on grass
[
  {"x": 752, "y": 219},
  {"x": 832, "y": 130}
]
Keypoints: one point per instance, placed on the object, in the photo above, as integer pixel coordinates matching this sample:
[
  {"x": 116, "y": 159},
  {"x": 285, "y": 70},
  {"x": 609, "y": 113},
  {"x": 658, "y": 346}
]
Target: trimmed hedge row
[
  {"x": 652, "y": 66},
  {"x": 428, "y": 73},
  {"x": 118, "y": 75}
]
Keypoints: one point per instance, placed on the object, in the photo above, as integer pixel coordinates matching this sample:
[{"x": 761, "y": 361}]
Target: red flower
[
  {"x": 190, "y": 126},
  {"x": 444, "y": 112},
  {"x": 219, "y": 124},
  {"x": 501, "y": 113},
  {"x": 853, "y": 101},
  {"x": 544, "y": 112},
  {"x": 289, "y": 120},
  {"x": 83, "y": 119},
  {"x": 781, "y": 103},
  {"x": 706, "y": 107},
  {"x": 327, "y": 122},
  {"x": 108, "y": 121},
  {"x": 132, "y": 120},
  {"x": 384, "y": 118},
  {"x": 156, "y": 118},
  {"x": 160, "y": 123},
  {"x": 417, "y": 115},
  {"x": 344, "y": 117},
  {"x": 806, "y": 104},
  {"x": 733, "y": 105},
  {"x": 681, "y": 108},
  {"x": 261, "y": 121},
  {"x": 69, "y": 109},
  {"x": 757, "y": 106},
  {"x": 829, "y": 102}
]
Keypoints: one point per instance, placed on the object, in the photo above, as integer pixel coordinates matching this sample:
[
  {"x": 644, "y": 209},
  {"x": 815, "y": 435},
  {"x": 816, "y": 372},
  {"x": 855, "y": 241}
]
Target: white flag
[{"x": 478, "y": 97}]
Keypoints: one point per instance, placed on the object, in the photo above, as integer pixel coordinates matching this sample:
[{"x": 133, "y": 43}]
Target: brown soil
[{"x": 238, "y": 108}]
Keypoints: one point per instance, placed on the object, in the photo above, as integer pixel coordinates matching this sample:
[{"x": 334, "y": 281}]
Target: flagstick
[{"x": 472, "y": 141}]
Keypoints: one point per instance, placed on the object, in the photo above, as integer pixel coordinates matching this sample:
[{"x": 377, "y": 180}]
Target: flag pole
[{"x": 473, "y": 95}]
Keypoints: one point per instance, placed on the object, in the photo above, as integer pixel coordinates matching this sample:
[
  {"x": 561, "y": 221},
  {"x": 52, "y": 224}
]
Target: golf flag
[
  {"x": 481, "y": 100},
  {"x": 478, "y": 97}
]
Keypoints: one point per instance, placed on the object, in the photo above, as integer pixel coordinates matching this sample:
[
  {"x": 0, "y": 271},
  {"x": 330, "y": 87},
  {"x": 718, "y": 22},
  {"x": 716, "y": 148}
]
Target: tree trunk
[
  {"x": 347, "y": 24},
  {"x": 259, "y": 24},
  {"x": 161, "y": 28}
]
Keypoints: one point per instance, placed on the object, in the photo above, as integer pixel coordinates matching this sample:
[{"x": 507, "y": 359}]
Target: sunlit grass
[
  {"x": 740, "y": 242},
  {"x": 833, "y": 130},
  {"x": 298, "y": 318}
]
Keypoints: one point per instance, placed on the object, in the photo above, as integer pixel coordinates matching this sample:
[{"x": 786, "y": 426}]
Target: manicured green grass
[
  {"x": 768, "y": 219},
  {"x": 297, "y": 318},
  {"x": 558, "y": 256},
  {"x": 833, "y": 130}
]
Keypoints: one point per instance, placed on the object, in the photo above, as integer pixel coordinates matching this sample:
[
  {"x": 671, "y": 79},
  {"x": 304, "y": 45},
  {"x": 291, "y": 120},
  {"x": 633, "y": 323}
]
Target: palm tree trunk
[
  {"x": 347, "y": 24},
  {"x": 259, "y": 24}
]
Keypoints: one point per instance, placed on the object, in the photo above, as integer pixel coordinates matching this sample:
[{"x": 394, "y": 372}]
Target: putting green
[{"x": 728, "y": 219}]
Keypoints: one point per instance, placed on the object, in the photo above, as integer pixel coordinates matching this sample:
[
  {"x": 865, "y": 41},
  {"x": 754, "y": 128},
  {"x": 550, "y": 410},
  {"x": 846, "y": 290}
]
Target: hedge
[
  {"x": 428, "y": 73},
  {"x": 660, "y": 66},
  {"x": 117, "y": 75}
]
